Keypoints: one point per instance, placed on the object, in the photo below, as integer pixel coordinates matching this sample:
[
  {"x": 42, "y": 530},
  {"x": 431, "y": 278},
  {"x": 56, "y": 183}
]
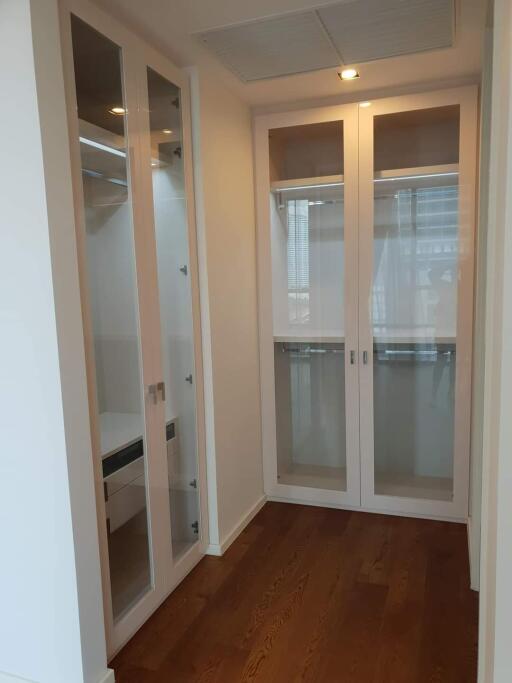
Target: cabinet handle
[
  {"x": 352, "y": 357},
  {"x": 161, "y": 388},
  {"x": 152, "y": 392},
  {"x": 365, "y": 357}
]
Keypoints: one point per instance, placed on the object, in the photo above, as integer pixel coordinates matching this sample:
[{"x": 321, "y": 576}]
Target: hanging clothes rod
[
  {"x": 414, "y": 352},
  {"x": 307, "y": 350}
]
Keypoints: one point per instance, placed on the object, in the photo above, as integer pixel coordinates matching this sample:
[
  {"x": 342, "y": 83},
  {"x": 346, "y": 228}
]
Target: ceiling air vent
[
  {"x": 364, "y": 30},
  {"x": 280, "y": 46},
  {"x": 348, "y": 32}
]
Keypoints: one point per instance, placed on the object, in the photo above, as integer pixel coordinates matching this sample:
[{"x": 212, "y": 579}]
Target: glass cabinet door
[
  {"x": 175, "y": 305},
  {"x": 129, "y": 126},
  {"x": 313, "y": 324},
  {"x": 113, "y": 311},
  {"x": 412, "y": 346}
]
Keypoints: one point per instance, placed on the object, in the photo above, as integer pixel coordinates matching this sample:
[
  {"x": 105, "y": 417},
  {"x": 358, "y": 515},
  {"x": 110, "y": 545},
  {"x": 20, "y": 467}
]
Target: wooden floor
[{"x": 319, "y": 595}]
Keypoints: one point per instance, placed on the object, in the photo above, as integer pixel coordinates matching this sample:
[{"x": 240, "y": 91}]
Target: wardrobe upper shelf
[
  {"x": 441, "y": 174},
  {"x": 403, "y": 337},
  {"x": 303, "y": 183},
  {"x": 102, "y": 154}
]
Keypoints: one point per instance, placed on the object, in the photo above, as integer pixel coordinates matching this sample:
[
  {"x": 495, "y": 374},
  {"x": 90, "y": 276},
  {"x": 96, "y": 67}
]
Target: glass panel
[
  {"x": 307, "y": 242},
  {"x": 414, "y": 301},
  {"x": 173, "y": 259},
  {"x": 114, "y": 310}
]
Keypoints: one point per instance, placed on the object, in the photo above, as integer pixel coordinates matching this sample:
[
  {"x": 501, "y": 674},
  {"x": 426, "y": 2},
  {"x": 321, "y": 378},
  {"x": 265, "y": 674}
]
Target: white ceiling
[{"x": 171, "y": 24}]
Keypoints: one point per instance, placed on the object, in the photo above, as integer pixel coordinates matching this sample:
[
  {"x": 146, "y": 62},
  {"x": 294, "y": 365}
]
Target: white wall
[
  {"x": 51, "y": 621},
  {"x": 227, "y": 244},
  {"x": 495, "y": 660}
]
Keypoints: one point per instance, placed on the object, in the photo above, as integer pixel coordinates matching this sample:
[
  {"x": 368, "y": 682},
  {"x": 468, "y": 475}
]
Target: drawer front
[
  {"x": 123, "y": 476},
  {"x": 126, "y": 502}
]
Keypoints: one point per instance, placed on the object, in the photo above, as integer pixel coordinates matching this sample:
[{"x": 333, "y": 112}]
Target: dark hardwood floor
[{"x": 318, "y": 595}]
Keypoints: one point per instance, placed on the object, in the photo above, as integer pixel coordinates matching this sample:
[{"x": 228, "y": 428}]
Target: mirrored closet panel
[
  {"x": 385, "y": 391},
  {"x": 130, "y": 137}
]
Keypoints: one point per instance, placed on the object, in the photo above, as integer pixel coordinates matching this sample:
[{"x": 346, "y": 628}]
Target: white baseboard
[
  {"x": 358, "y": 508},
  {"x": 474, "y": 574},
  {"x": 108, "y": 677},
  {"x": 220, "y": 548},
  {"x": 9, "y": 678}
]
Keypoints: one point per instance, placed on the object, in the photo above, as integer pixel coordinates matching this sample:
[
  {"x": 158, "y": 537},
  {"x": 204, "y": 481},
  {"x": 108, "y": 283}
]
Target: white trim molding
[
  {"x": 494, "y": 660},
  {"x": 109, "y": 677},
  {"x": 219, "y": 549},
  {"x": 9, "y": 678},
  {"x": 474, "y": 557}
]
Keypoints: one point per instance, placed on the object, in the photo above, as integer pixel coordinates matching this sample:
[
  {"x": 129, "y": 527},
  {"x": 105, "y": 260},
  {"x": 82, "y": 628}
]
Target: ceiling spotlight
[
  {"x": 117, "y": 111},
  {"x": 167, "y": 131},
  {"x": 348, "y": 74},
  {"x": 365, "y": 104}
]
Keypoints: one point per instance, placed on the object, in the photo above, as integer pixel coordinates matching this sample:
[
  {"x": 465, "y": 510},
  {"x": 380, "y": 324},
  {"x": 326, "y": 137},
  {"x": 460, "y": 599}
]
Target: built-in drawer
[
  {"x": 124, "y": 479},
  {"x": 126, "y": 502},
  {"x": 123, "y": 476}
]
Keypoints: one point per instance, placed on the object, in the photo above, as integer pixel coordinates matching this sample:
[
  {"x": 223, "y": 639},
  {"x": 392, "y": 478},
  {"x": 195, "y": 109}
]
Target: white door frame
[
  {"x": 495, "y": 660},
  {"x": 273, "y": 489}
]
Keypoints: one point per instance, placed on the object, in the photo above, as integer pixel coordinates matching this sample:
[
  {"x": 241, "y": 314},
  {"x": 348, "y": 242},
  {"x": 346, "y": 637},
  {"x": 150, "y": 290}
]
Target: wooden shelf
[
  {"x": 410, "y": 178},
  {"x": 305, "y": 183},
  {"x": 440, "y": 173},
  {"x": 102, "y": 154},
  {"x": 309, "y": 339}
]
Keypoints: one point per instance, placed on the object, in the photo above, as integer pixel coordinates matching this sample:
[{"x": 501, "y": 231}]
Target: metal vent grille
[
  {"x": 364, "y": 30},
  {"x": 348, "y": 32},
  {"x": 273, "y": 47}
]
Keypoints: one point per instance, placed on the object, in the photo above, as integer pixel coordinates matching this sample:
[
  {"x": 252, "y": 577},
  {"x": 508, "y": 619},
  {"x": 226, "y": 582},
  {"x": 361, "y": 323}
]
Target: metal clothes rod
[
  {"x": 305, "y": 351},
  {"x": 414, "y": 352}
]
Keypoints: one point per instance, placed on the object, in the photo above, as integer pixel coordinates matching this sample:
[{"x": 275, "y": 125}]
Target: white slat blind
[{"x": 298, "y": 245}]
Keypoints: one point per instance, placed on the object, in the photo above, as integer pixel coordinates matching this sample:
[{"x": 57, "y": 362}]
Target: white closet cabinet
[
  {"x": 365, "y": 241},
  {"x": 130, "y": 138}
]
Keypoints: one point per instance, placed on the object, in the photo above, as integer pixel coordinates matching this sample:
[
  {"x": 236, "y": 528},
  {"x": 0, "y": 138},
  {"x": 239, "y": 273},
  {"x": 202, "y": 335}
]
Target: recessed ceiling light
[
  {"x": 117, "y": 111},
  {"x": 154, "y": 163},
  {"x": 365, "y": 104},
  {"x": 348, "y": 74},
  {"x": 167, "y": 131}
]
